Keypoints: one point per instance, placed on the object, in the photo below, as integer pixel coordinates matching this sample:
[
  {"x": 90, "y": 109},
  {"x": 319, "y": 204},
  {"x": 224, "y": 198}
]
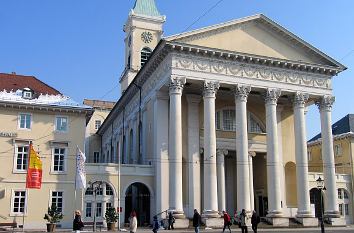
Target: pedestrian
[
  {"x": 171, "y": 221},
  {"x": 243, "y": 217},
  {"x": 78, "y": 225},
  {"x": 197, "y": 219},
  {"x": 133, "y": 222},
  {"x": 227, "y": 221},
  {"x": 156, "y": 225},
  {"x": 255, "y": 220}
]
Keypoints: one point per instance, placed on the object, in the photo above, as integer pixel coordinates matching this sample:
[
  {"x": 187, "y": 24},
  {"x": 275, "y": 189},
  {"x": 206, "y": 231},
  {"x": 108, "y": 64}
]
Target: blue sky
[{"x": 77, "y": 46}]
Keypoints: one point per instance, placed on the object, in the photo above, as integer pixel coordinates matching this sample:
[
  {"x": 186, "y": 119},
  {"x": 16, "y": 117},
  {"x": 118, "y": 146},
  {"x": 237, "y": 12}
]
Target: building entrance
[{"x": 137, "y": 198}]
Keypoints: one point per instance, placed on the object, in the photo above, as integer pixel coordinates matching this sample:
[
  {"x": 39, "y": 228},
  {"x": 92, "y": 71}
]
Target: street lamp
[
  {"x": 95, "y": 187},
  {"x": 320, "y": 187}
]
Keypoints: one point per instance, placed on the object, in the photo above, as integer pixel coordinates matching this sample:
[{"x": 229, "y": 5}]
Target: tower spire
[{"x": 146, "y": 7}]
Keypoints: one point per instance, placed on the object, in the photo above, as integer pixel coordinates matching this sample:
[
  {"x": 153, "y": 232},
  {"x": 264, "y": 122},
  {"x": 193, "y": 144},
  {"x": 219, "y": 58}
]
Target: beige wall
[{"x": 41, "y": 134}]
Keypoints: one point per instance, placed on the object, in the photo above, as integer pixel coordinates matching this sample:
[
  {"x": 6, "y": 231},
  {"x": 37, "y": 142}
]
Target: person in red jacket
[{"x": 227, "y": 221}]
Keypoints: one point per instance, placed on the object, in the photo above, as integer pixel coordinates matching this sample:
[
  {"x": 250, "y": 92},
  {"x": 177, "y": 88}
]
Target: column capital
[
  {"x": 325, "y": 103},
  {"x": 210, "y": 88},
  {"x": 242, "y": 92},
  {"x": 223, "y": 152},
  {"x": 272, "y": 95},
  {"x": 300, "y": 99},
  {"x": 252, "y": 154},
  {"x": 193, "y": 99},
  {"x": 176, "y": 85}
]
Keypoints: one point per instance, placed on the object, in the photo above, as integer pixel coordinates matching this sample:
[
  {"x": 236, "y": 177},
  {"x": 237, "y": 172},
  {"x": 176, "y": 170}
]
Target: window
[
  {"x": 309, "y": 156},
  {"x": 108, "y": 205},
  {"x": 338, "y": 150},
  {"x": 19, "y": 202},
  {"x": 96, "y": 157},
  {"x": 346, "y": 209},
  {"x": 21, "y": 157},
  {"x": 88, "y": 210},
  {"x": 229, "y": 120},
  {"x": 98, "y": 124},
  {"x": 145, "y": 55},
  {"x": 345, "y": 195},
  {"x": 61, "y": 124},
  {"x": 341, "y": 209},
  {"x": 340, "y": 196},
  {"x": 254, "y": 125},
  {"x": 25, "y": 121},
  {"x": 99, "y": 209},
  {"x": 57, "y": 200},
  {"x": 131, "y": 146},
  {"x": 27, "y": 93},
  {"x": 99, "y": 191},
  {"x": 218, "y": 119},
  {"x": 59, "y": 159},
  {"x": 89, "y": 192},
  {"x": 109, "y": 191}
]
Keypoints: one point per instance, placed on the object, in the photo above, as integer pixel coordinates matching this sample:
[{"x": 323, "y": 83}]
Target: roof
[
  {"x": 14, "y": 82},
  {"x": 146, "y": 7},
  {"x": 344, "y": 125},
  {"x": 259, "y": 18},
  {"x": 99, "y": 104}
]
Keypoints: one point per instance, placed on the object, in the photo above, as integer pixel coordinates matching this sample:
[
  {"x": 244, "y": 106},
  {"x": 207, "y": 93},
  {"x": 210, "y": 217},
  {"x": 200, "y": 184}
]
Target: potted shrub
[
  {"x": 111, "y": 217},
  {"x": 53, "y": 216}
]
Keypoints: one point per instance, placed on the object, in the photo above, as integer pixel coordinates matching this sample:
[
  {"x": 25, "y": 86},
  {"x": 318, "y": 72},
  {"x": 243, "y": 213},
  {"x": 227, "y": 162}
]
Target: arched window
[
  {"x": 145, "y": 55},
  {"x": 123, "y": 154},
  {"x": 226, "y": 121}
]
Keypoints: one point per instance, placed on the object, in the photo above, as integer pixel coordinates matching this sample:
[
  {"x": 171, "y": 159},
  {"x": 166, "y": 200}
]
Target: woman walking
[
  {"x": 133, "y": 222},
  {"x": 243, "y": 217},
  {"x": 78, "y": 225}
]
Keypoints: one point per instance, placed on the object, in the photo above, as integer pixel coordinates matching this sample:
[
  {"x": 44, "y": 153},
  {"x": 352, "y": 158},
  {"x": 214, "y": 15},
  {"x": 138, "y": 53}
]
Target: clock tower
[{"x": 143, "y": 31}]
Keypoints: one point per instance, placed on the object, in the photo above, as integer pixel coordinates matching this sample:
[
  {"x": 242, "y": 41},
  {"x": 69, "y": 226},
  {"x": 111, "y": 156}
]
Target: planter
[
  {"x": 51, "y": 227},
  {"x": 111, "y": 226}
]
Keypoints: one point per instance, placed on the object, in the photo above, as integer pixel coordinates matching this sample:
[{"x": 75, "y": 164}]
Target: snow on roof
[{"x": 42, "y": 99}]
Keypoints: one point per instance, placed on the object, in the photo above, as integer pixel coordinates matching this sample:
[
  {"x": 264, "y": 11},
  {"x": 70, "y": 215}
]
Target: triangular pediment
[{"x": 256, "y": 35}]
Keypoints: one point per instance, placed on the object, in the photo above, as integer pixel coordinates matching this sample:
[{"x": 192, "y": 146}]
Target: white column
[
  {"x": 220, "y": 167},
  {"x": 175, "y": 144},
  {"x": 273, "y": 172},
  {"x": 210, "y": 176},
  {"x": 160, "y": 145},
  {"x": 251, "y": 155},
  {"x": 303, "y": 197},
  {"x": 325, "y": 107},
  {"x": 242, "y": 162},
  {"x": 194, "y": 192},
  {"x": 281, "y": 162}
]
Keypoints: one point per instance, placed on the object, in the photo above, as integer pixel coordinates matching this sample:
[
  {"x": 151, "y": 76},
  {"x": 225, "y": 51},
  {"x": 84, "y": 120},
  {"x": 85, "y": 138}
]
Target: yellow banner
[{"x": 34, "y": 160}]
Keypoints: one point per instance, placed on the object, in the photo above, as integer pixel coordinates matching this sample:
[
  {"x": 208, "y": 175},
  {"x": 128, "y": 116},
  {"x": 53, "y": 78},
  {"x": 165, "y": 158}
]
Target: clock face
[{"x": 146, "y": 37}]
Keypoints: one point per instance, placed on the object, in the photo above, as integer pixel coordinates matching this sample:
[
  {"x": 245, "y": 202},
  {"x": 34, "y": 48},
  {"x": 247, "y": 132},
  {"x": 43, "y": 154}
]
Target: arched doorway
[
  {"x": 137, "y": 198},
  {"x": 315, "y": 198}
]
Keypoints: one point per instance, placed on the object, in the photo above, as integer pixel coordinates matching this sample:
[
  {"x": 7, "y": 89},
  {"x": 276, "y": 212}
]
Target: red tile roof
[{"x": 15, "y": 82}]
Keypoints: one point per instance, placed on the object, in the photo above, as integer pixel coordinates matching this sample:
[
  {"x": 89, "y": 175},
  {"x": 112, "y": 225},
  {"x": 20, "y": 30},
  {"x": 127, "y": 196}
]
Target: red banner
[{"x": 34, "y": 171}]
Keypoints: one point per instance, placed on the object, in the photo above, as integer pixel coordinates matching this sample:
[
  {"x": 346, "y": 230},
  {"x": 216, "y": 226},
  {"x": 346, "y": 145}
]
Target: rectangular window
[
  {"x": 338, "y": 150},
  {"x": 109, "y": 191},
  {"x": 340, "y": 196},
  {"x": 341, "y": 209},
  {"x": 217, "y": 119},
  {"x": 22, "y": 157},
  {"x": 345, "y": 195},
  {"x": 99, "y": 209},
  {"x": 99, "y": 191},
  {"x": 59, "y": 159},
  {"x": 229, "y": 120},
  {"x": 309, "y": 156},
  {"x": 19, "y": 202},
  {"x": 61, "y": 124},
  {"x": 88, "y": 210},
  {"x": 57, "y": 200},
  {"x": 96, "y": 157},
  {"x": 346, "y": 207},
  {"x": 108, "y": 205},
  {"x": 98, "y": 124},
  {"x": 25, "y": 121}
]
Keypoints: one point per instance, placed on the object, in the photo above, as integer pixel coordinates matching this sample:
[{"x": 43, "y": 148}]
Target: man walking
[
  {"x": 255, "y": 220},
  {"x": 227, "y": 221},
  {"x": 243, "y": 217},
  {"x": 196, "y": 221}
]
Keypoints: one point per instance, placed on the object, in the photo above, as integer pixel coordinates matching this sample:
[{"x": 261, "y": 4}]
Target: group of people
[{"x": 241, "y": 220}]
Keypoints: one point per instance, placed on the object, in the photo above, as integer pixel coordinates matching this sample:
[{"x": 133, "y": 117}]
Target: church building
[{"x": 214, "y": 119}]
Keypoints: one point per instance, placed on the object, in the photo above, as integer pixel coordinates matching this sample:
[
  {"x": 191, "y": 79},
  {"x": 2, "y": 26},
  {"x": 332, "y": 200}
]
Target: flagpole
[{"x": 75, "y": 184}]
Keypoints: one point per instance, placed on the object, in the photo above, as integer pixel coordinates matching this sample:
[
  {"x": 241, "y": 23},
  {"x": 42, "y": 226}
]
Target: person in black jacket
[
  {"x": 197, "y": 219},
  {"x": 254, "y": 221},
  {"x": 156, "y": 225},
  {"x": 171, "y": 221},
  {"x": 78, "y": 225}
]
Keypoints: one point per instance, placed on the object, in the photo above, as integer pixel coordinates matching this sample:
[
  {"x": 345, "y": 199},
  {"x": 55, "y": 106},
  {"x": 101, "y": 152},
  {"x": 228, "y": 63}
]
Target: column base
[
  {"x": 178, "y": 214},
  {"x": 278, "y": 221},
  {"x": 181, "y": 223},
  {"x": 307, "y": 221},
  {"x": 331, "y": 214},
  {"x": 211, "y": 214},
  {"x": 213, "y": 222},
  {"x": 335, "y": 221}
]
